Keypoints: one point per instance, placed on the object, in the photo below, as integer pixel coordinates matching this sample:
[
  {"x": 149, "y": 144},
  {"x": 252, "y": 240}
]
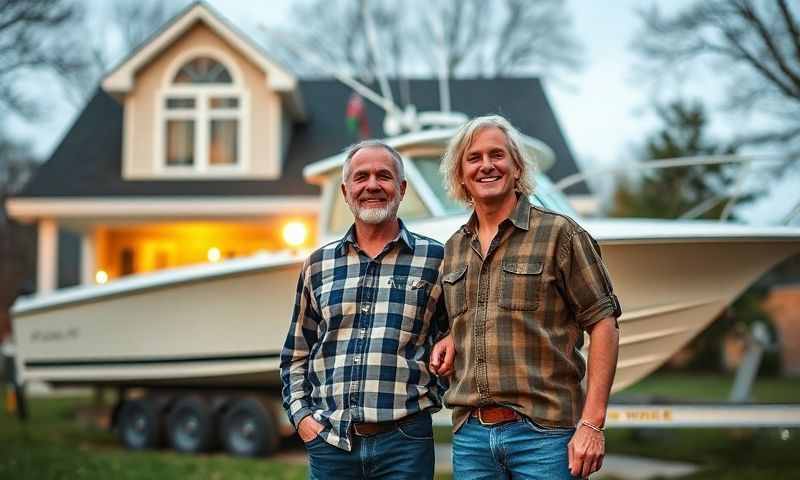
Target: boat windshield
[{"x": 545, "y": 195}]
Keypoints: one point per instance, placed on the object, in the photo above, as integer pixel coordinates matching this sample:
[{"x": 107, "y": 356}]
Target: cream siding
[{"x": 263, "y": 112}]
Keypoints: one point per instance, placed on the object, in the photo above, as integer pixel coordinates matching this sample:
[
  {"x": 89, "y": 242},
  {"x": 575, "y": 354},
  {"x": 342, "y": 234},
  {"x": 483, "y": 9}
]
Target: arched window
[
  {"x": 203, "y": 70},
  {"x": 202, "y": 108}
]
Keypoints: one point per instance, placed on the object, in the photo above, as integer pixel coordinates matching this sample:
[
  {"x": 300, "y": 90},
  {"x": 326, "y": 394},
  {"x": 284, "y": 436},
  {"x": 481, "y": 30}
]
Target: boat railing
[{"x": 746, "y": 163}]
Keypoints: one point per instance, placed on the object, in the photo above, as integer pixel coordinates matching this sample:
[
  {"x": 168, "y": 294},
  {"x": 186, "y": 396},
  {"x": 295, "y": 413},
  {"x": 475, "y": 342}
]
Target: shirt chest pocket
[
  {"x": 520, "y": 285},
  {"x": 454, "y": 289},
  {"x": 408, "y": 299},
  {"x": 408, "y": 290}
]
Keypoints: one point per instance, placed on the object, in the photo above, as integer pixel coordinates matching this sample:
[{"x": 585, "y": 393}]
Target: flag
[{"x": 356, "y": 117}]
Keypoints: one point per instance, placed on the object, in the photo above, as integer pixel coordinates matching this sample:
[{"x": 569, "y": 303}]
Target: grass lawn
[
  {"x": 705, "y": 387},
  {"x": 54, "y": 445}
]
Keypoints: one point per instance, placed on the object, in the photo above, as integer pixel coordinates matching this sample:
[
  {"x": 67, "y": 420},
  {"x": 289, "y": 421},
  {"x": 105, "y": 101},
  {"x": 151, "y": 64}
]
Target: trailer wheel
[
  {"x": 248, "y": 429},
  {"x": 190, "y": 425},
  {"x": 139, "y": 424}
]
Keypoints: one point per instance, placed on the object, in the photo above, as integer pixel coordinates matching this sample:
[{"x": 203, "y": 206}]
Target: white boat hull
[{"x": 225, "y": 324}]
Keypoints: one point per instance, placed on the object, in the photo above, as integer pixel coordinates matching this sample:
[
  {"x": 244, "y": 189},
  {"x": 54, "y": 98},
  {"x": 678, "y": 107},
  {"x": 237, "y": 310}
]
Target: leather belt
[
  {"x": 370, "y": 429},
  {"x": 495, "y": 415}
]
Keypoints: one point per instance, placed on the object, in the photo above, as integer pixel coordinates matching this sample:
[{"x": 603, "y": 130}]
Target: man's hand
[
  {"x": 309, "y": 429},
  {"x": 586, "y": 451},
  {"x": 442, "y": 356}
]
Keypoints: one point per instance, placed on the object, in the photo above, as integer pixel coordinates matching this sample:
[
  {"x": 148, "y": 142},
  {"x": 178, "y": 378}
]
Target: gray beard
[{"x": 374, "y": 216}]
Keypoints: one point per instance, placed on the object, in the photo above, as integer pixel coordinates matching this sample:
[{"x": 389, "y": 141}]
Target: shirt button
[
  {"x": 365, "y": 308},
  {"x": 357, "y": 360}
]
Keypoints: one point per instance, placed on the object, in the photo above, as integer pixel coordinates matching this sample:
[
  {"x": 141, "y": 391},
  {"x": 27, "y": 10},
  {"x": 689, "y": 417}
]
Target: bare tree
[
  {"x": 17, "y": 241},
  {"x": 113, "y": 30},
  {"x": 755, "y": 43},
  {"x": 420, "y": 37},
  {"x": 35, "y": 37}
]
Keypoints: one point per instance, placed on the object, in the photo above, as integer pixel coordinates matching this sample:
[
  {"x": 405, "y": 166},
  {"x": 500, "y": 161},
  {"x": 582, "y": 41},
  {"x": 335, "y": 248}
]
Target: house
[{"x": 193, "y": 147}]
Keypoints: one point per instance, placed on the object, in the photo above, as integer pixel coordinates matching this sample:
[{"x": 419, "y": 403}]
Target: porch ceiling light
[
  {"x": 214, "y": 255},
  {"x": 295, "y": 233},
  {"x": 101, "y": 277}
]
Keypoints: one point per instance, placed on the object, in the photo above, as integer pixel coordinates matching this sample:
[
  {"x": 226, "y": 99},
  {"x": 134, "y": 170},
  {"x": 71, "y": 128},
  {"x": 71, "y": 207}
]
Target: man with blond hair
[
  {"x": 521, "y": 285},
  {"x": 354, "y": 366}
]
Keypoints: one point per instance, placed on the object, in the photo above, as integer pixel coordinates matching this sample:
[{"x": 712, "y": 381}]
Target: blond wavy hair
[{"x": 451, "y": 162}]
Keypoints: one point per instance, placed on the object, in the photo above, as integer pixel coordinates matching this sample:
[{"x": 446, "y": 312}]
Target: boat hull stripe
[{"x": 56, "y": 363}]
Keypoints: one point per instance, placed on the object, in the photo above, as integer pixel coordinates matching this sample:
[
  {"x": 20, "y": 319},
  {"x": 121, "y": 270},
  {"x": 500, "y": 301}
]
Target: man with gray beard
[{"x": 355, "y": 381}]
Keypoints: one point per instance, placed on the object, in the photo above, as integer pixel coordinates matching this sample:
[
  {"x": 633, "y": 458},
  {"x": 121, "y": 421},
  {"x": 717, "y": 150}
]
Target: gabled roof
[
  {"x": 88, "y": 162},
  {"x": 279, "y": 79}
]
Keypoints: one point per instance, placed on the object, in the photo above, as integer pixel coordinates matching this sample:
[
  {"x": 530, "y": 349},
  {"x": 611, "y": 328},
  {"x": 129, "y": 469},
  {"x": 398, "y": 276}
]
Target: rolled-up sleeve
[
  {"x": 295, "y": 355},
  {"x": 584, "y": 279}
]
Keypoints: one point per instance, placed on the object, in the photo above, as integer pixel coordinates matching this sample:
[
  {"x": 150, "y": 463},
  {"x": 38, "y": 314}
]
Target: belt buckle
[
  {"x": 358, "y": 433},
  {"x": 372, "y": 430},
  {"x": 484, "y": 423},
  {"x": 487, "y": 423}
]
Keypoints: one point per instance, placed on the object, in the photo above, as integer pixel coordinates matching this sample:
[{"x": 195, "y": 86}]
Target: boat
[{"x": 223, "y": 325}]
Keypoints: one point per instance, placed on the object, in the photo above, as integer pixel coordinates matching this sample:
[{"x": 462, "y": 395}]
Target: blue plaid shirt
[{"x": 361, "y": 335}]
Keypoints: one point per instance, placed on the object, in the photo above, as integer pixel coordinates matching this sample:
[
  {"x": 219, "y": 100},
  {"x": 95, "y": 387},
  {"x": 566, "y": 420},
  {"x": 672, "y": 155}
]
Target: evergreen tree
[{"x": 670, "y": 193}]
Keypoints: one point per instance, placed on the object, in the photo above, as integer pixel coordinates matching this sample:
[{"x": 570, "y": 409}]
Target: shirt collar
[
  {"x": 520, "y": 217},
  {"x": 404, "y": 235}
]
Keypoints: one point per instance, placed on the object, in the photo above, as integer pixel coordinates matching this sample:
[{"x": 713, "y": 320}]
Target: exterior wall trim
[{"x": 29, "y": 209}]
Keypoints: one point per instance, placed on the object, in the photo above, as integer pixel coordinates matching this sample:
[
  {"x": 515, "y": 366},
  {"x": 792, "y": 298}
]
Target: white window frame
[{"x": 202, "y": 115}]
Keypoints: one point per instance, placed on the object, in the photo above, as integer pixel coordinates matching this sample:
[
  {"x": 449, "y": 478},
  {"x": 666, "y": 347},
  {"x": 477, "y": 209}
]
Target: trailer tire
[
  {"x": 191, "y": 425},
  {"x": 248, "y": 429},
  {"x": 139, "y": 425}
]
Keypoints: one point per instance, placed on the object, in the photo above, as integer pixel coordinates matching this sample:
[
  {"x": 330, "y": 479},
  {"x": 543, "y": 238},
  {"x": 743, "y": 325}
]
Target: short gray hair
[
  {"x": 353, "y": 149},
  {"x": 451, "y": 162}
]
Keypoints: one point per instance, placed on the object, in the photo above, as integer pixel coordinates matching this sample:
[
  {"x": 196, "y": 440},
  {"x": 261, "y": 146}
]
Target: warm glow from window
[
  {"x": 214, "y": 255},
  {"x": 295, "y": 234},
  {"x": 101, "y": 277}
]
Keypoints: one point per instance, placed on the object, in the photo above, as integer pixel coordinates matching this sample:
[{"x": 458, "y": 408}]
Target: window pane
[
  {"x": 180, "y": 142},
  {"x": 203, "y": 70},
  {"x": 224, "y": 146},
  {"x": 126, "y": 262},
  {"x": 429, "y": 168},
  {"x": 411, "y": 208},
  {"x": 175, "y": 103},
  {"x": 224, "y": 102},
  {"x": 552, "y": 198}
]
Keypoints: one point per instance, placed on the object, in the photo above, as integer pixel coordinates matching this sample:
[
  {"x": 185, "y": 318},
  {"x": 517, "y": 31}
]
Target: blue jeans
[
  {"x": 513, "y": 450},
  {"x": 404, "y": 453}
]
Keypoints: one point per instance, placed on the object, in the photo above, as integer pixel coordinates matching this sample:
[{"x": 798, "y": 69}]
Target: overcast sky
[{"x": 603, "y": 109}]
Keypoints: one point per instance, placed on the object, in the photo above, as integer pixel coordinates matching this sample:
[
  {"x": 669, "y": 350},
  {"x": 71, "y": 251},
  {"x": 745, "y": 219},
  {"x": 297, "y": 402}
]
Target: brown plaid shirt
[{"x": 518, "y": 316}]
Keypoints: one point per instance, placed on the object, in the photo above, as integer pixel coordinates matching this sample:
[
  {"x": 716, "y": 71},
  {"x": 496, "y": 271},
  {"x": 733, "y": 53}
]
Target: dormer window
[
  {"x": 203, "y": 70},
  {"x": 203, "y": 119}
]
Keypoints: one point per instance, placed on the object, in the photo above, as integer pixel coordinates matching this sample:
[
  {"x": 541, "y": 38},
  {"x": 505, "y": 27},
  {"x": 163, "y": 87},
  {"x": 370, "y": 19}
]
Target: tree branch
[
  {"x": 791, "y": 27},
  {"x": 752, "y": 18}
]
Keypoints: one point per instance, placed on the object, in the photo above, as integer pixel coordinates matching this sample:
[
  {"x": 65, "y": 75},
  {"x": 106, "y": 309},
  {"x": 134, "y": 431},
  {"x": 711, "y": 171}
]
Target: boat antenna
[
  {"x": 372, "y": 43},
  {"x": 443, "y": 70},
  {"x": 396, "y": 120},
  {"x": 346, "y": 78}
]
